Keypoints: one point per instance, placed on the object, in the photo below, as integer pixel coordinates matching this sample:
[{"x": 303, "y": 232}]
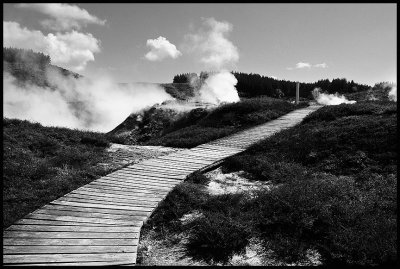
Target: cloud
[
  {"x": 63, "y": 16},
  {"x": 212, "y": 45},
  {"x": 72, "y": 50},
  {"x": 301, "y": 65},
  {"x": 161, "y": 48},
  {"x": 323, "y": 65}
]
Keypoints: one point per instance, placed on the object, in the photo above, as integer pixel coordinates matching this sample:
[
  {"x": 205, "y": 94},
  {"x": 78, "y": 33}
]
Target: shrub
[
  {"x": 95, "y": 141},
  {"x": 331, "y": 215},
  {"x": 215, "y": 237},
  {"x": 197, "y": 178},
  {"x": 183, "y": 199}
]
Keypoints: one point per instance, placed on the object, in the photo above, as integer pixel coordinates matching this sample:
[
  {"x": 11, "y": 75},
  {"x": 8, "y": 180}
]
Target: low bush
[
  {"x": 330, "y": 214},
  {"x": 216, "y": 238},
  {"x": 197, "y": 178},
  {"x": 183, "y": 199}
]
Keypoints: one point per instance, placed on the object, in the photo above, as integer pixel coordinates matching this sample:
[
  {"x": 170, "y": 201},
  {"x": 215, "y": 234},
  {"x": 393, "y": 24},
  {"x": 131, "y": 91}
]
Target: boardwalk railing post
[{"x": 297, "y": 92}]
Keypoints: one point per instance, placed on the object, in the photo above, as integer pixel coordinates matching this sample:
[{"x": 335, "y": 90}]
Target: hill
[
  {"x": 329, "y": 196},
  {"x": 41, "y": 164},
  {"x": 172, "y": 127},
  {"x": 28, "y": 66}
]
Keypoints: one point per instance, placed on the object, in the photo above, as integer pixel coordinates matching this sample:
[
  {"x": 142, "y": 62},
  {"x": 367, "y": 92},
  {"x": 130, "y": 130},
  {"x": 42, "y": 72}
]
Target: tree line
[
  {"x": 15, "y": 55},
  {"x": 251, "y": 85}
]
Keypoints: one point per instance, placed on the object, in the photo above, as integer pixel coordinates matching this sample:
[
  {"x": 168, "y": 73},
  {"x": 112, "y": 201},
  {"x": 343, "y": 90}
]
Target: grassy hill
[
  {"x": 334, "y": 179},
  {"x": 168, "y": 127},
  {"x": 30, "y": 67},
  {"x": 41, "y": 164}
]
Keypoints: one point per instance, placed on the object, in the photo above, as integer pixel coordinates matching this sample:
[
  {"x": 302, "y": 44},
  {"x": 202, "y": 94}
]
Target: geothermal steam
[
  {"x": 330, "y": 99},
  {"x": 96, "y": 105},
  {"x": 215, "y": 51},
  {"x": 219, "y": 88},
  {"x": 393, "y": 93}
]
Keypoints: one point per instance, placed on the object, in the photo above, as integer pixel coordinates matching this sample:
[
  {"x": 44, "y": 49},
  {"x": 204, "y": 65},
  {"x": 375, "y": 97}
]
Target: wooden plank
[
  {"x": 93, "y": 210},
  {"x": 57, "y": 228},
  {"x": 85, "y": 220},
  {"x": 159, "y": 164},
  {"x": 139, "y": 217},
  {"x": 87, "y": 257},
  {"x": 126, "y": 197},
  {"x": 58, "y": 264},
  {"x": 99, "y": 235},
  {"x": 68, "y": 242},
  {"x": 133, "y": 179},
  {"x": 148, "y": 176},
  {"x": 111, "y": 199},
  {"x": 139, "y": 182},
  {"x": 67, "y": 249},
  {"x": 216, "y": 148},
  {"x": 101, "y": 202},
  {"x": 119, "y": 207},
  {"x": 171, "y": 164},
  {"x": 137, "y": 193},
  {"x": 129, "y": 188},
  {"x": 53, "y": 222},
  {"x": 152, "y": 169},
  {"x": 133, "y": 174},
  {"x": 165, "y": 162},
  {"x": 132, "y": 186},
  {"x": 141, "y": 185},
  {"x": 124, "y": 191},
  {"x": 178, "y": 164},
  {"x": 142, "y": 178},
  {"x": 197, "y": 157},
  {"x": 213, "y": 153},
  {"x": 184, "y": 160}
]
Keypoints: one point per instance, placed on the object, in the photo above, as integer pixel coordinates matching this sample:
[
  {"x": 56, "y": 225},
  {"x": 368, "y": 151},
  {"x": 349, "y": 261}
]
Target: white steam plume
[
  {"x": 219, "y": 88},
  {"x": 392, "y": 95},
  {"x": 96, "y": 105},
  {"x": 330, "y": 99},
  {"x": 215, "y": 51}
]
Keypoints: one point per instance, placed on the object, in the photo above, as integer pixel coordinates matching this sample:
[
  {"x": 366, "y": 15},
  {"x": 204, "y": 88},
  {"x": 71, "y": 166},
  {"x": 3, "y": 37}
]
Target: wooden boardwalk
[{"x": 99, "y": 223}]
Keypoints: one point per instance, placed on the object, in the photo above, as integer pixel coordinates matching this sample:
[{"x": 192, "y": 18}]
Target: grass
[
  {"x": 41, "y": 164},
  {"x": 335, "y": 178},
  {"x": 201, "y": 126}
]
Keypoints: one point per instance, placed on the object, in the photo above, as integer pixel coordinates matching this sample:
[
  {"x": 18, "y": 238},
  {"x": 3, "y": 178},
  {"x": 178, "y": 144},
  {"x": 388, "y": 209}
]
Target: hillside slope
[{"x": 329, "y": 194}]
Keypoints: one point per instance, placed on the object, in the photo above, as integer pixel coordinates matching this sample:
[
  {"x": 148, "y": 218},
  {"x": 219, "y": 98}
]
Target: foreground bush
[{"x": 347, "y": 225}]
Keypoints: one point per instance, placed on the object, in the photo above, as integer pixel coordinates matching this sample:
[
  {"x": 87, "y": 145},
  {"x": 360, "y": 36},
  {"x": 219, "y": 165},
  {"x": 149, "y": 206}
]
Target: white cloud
[
  {"x": 64, "y": 16},
  {"x": 161, "y": 48},
  {"x": 323, "y": 65},
  {"x": 72, "y": 50},
  {"x": 301, "y": 65},
  {"x": 212, "y": 45}
]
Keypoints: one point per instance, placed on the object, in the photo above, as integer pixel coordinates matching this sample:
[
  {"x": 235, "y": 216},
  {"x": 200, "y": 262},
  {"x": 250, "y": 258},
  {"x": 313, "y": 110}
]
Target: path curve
[{"x": 99, "y": 223}]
